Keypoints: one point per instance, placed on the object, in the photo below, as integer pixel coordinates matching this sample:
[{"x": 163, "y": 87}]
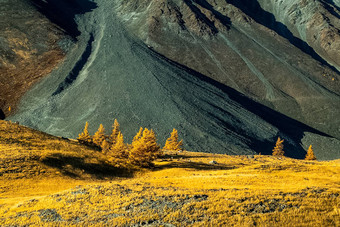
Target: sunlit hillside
[{"x": 51, "y": 181}]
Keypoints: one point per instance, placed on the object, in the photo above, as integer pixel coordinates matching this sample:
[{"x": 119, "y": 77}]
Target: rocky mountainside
[
  {"x": 231, "y": 76},
  {"x": 285, "y": 55}
]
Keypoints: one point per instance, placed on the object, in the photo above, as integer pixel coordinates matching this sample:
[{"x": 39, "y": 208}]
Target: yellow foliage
[
  {"x": 278, "y": 149},
  {"x": 172, "y": 142},
  {"x": 310, "y": 154},
  {"x": 115, "y": 132},
  {"x": 85, "y": 137},
  {"x": 118, "y": 151},
  {"x": 99, "y": 136},
  {"x": 138, "y": 135},
  {"x": 144, "y": 149},
  {"x": 105, "y": 146}
]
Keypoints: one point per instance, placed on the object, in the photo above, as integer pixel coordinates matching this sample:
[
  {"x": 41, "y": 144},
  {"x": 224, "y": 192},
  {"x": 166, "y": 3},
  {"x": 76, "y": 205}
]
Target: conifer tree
[
  {"x": 310, "y": 154},
  {"x": 105, "y": 146},
  {"x": 138, "y": 135},
  {"x": 85, "y": 136},
  {"x": 144, "y": 149},
  {"x": 278, "y": 149},
  {"x": 99, "y": 136},
  {"x": 172, "y": 142},
  {"x": 135, "y": 138},
  {"x": 119, "y": 149},
  {"x": 115, "y": 132}
]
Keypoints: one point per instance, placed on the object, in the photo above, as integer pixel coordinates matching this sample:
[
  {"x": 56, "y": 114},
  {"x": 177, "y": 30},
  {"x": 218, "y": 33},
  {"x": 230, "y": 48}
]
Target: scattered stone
[
  {"x": 268, "y": 206},
  {"x": 80, "y": 191},
  {"x": 110, "y": 216},
  {"x": 168, "y": 225},
  {"x": 49, "y": 215}
]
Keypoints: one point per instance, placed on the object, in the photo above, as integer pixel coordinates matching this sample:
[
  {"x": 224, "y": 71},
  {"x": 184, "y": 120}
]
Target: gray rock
[{"x": 49, "y": 215}]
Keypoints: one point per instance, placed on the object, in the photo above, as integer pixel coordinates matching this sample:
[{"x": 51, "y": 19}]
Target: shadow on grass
[
  {"x": 20, "y": 141},
  {"x": 195, "y": 166},
  {"x": 2, "y": 115},
  {"x": 179, "y": 156},
  {"x": 181, "y": 161},
  {"x": 76, "y": 167}
]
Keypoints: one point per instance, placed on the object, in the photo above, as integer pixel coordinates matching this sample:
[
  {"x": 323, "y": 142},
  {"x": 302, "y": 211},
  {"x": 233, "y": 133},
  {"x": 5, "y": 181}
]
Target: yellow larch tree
[
  {"x": 310, "y": 154},
  {"x": 138, "y": 135},
  {"x": 115, "y": 132},
  {"x": 85, "y": 136},
  {"x": 136, "y": 138},
  {"x": 105, "y": 146},
  {"x": 99, "y": 136},
  {"x": 118, "y": 151},
  {"x": 144, "y": 149},
  {"x": 278, "y": 149},
  {"x": 172, "y": 142}
]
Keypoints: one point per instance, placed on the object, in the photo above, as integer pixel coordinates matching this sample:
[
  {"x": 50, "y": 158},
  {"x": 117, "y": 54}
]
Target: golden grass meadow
[{"x": 52, "y": 181}]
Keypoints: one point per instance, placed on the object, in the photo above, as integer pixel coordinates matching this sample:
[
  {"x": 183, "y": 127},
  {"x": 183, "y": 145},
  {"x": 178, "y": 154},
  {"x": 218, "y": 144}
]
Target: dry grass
[{"x": 183, "y": 189}]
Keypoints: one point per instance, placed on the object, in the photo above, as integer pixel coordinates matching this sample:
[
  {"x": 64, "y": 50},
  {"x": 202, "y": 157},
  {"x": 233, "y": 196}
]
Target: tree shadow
[
  {"x": 194, "y": 165},
  {"x": 62, "y": 12},
  {"x": 74, "y": 167},
  {"x": 2, "y": 115},
  {"x": 181, "y": 156},
  {"x": 267, "y": 19}
]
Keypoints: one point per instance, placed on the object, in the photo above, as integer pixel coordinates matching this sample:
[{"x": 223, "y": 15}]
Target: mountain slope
[
  {"x": 206, "y": 91},
  {"x": 253, "y": 47}
]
